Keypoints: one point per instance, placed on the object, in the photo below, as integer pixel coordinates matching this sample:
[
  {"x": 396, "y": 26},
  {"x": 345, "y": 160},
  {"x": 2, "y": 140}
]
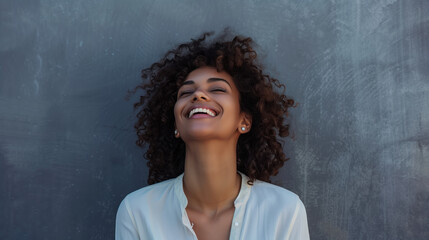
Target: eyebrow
[{"x": 190, "y": 82}]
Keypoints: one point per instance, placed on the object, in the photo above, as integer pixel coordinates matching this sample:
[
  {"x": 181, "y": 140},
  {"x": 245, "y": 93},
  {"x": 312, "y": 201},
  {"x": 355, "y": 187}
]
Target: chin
[{"x": 201, "y": 135}]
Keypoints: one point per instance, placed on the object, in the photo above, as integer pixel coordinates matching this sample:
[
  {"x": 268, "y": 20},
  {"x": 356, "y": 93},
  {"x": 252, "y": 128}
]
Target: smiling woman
[
  {"x": 206, "y": 91},
  {"x": 212, "y": 123}
]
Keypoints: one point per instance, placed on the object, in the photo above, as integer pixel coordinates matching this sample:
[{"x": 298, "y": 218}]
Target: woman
[{"x": 211, "y": 121}]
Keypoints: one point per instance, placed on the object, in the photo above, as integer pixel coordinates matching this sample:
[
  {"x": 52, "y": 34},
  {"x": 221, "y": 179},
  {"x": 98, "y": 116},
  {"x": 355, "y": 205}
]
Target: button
[{"x": 236, "y": 224}]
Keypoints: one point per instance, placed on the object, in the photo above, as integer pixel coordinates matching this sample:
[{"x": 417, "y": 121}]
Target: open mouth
[{"x": 201, "y": 113}]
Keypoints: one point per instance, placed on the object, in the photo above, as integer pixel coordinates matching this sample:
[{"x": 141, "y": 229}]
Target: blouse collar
[{"x": 241, "y": 199}]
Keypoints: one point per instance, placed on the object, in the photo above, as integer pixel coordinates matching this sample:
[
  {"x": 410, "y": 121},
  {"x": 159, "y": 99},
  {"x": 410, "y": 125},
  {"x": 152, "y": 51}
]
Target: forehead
[{"x": 202, "y": 74}]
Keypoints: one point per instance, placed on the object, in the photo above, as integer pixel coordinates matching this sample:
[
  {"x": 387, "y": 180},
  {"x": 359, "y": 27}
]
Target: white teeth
[{"x": 202, "y": 110}]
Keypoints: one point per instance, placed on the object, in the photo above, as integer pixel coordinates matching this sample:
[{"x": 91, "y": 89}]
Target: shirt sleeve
[
  {"x": 125, "y": 225},
  {"x": 299, "y": 230}
]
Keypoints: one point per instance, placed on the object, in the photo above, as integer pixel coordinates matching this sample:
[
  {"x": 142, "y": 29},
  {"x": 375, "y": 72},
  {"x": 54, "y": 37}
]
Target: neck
[{"x": 211, "y": 182}]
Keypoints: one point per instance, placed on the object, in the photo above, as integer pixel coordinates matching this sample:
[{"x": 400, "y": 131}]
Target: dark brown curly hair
[{"x": 259, "y": 152}]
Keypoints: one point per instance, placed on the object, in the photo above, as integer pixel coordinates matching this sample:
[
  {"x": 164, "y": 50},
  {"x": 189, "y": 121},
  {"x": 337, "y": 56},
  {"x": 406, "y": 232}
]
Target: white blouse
[{"x": 262, "y": 212}]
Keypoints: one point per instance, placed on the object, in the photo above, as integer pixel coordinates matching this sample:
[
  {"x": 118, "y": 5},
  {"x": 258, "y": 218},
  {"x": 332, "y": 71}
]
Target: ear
[
  {"x": 176, "y": 132},
  {"x": 245, "y": 123}
]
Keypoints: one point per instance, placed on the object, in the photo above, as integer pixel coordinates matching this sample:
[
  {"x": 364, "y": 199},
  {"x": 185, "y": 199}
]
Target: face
[{"x": 208, "y": 107}]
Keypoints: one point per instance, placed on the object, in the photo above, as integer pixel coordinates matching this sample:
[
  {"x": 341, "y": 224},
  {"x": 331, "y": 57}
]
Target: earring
[
  {"x": 175, "y": 132},
  {"x": 243, "y": 128}
]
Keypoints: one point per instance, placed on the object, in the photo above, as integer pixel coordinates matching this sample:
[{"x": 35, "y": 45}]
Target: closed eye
[
  {"x": 218, "y": 90},
  {"x": 185, "y": 93}
]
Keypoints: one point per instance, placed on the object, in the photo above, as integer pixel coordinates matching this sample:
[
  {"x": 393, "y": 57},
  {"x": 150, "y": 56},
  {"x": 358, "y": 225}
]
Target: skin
[{"x": 211, "y": 182}]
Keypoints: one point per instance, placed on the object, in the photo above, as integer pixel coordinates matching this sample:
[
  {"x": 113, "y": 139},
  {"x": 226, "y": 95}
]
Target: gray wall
[{"x": 359, "y": 70}]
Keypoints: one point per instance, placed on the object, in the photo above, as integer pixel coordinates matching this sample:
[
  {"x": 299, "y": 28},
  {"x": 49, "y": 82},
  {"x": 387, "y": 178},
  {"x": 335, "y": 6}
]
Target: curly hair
[{"x": 259, "y": 152}]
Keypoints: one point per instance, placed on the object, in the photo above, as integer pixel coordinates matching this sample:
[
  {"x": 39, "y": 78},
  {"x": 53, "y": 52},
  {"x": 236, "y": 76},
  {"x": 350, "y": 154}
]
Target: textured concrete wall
[{"x": 359, "y": 70}]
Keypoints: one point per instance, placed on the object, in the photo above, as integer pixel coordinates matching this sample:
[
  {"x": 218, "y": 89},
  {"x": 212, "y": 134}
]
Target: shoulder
[
  {"x": 143, "y": 209},
  {"x": 283, "y": 208},
  {"x": 273, "y": 192},
  {"x": 274, "y": 196},
  {"x": 149, "y": 194},
  {"x": 278, "y": 205}
]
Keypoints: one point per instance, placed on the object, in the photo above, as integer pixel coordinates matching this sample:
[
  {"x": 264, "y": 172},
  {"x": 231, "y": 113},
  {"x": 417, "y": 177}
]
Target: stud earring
[
  {"x": 175, "y": 132},
  {"x": 243, "y": 128}
]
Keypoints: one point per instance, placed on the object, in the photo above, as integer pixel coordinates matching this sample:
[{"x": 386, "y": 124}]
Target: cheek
[
  {"x": 233, "y": 107},
  {"x": 178, "y": 109}
]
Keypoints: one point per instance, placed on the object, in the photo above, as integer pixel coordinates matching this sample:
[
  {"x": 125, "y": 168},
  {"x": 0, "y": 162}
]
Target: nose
[{"x": 200, "y": 95}]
